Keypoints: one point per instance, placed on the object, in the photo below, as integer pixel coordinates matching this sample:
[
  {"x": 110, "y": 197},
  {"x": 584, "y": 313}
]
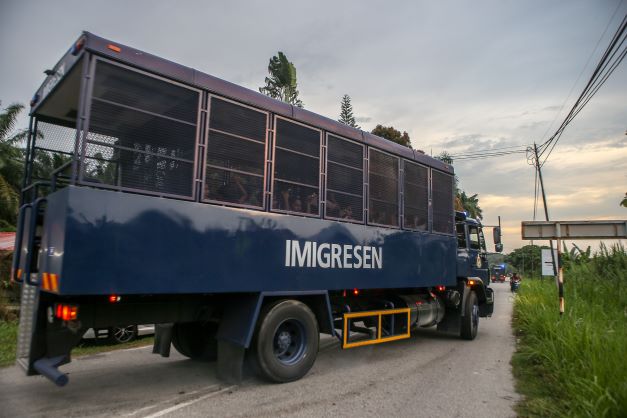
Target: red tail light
[
  {"x": 66, "y": 312},
  {"x": 440, "y": 288}
]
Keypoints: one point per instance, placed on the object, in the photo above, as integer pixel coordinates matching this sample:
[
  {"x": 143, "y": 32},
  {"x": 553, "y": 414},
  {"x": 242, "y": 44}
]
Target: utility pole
[{"x": 557, "y": 272}]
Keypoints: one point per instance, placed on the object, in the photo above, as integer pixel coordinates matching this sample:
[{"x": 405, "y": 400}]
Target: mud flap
[
  {"x": 230, "y": 361},
  {"x": 486, "y": 309},
  {"x": 235, "y": 333},
  {"x": 452, "y": 321},
  {"x": 163, "y": 339}
]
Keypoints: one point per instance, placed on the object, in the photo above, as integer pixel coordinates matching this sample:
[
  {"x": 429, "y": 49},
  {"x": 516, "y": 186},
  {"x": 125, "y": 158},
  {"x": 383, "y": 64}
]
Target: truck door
[{"x": 477, "y": 253}]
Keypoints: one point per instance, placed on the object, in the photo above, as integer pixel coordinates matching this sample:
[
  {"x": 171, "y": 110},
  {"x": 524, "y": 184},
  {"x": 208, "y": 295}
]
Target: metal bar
[
  {"x": 603, "y": 229},
  {"x": 31, "y": 240},
  {"x": 129, "y": 149},
  {"x": 560, "y": 279},
  {"x": 80, "y": 119},
  {"x": 17, "y": 249},
  {"x": 379, "y": 314},
  {"x": 546, "y": 210},
  {"x": 146, "y": 112},
  {"x": 27, "y": 161}
]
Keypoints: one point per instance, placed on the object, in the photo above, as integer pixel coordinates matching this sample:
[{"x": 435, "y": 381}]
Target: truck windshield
[{"x": 473, "y": 235}]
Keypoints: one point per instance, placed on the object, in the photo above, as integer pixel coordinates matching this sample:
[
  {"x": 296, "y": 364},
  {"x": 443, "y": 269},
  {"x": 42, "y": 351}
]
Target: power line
[
  {"x": 603, "y": 70},
  {"x": 465, "y": 153},
  {"x": 583, "y": 69},
  {"x": 589, "y": 96},
  {"x": 489, "y": 155}
]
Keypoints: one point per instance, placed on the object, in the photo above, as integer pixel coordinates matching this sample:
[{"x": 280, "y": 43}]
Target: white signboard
[{"x": 547, "y": 262}]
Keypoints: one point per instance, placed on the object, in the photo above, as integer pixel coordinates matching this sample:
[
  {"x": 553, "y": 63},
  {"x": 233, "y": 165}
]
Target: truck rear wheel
[
  {"x": 286, "y": 341},
  {"x": 196, "y": 340},
  {"x": 470, "y": 320}
]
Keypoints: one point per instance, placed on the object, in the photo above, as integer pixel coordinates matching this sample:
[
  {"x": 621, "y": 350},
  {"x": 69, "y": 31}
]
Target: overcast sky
[{"x": 457, "y": 76}]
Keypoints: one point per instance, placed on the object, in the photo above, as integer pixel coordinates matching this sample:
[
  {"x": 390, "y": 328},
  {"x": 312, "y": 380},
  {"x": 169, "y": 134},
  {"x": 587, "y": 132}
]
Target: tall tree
[
  {"x": 281, "y": 84},
  {"x": 463, "y": 202},
  {"x": 392, "y": 134},
  {"x": 445, "y": 157},
  {"x": 346, "y": 112},
  {"x": 526, "y": 259},
  {"x": 11, "y": 165},
  {"x": 471, "y": 205}
]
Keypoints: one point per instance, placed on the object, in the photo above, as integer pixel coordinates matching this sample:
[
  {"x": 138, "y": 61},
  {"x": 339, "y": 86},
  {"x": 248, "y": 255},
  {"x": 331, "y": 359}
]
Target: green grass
[
  {"x": 8, "y": 338},
  {"x": 574, "y": 365}
]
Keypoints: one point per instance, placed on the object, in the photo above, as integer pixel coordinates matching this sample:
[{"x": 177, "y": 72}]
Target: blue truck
[
  {"x": 498, "y": 273},
  {"x": 242, "y": 226}
]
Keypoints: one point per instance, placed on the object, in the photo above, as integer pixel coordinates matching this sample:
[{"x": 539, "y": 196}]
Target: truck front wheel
[
  {"x": 286, "y": 341},
  {"x": 470, "y": 320}
]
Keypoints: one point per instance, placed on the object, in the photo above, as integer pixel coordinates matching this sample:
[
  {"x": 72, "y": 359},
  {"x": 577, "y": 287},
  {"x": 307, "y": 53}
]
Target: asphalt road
[{"x": 430, "y": 375}]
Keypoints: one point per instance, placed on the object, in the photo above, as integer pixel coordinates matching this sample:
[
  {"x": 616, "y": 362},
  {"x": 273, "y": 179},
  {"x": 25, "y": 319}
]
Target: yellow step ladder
[{"x": 402, "y": 314}]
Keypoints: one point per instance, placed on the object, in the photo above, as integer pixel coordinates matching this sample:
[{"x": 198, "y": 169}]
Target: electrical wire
[
  {"x": 587, "y": 98},
  {"x": 583, "y": 69},
  {"x": 603, "y": 70},
  {"x": 489, "y": 155},
  {"x": 486, "y": 153}
]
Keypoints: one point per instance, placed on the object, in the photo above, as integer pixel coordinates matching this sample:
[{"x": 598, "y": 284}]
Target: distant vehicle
[
  {"x": 241, "y": 225},
  {"x": 498, "y": 274},
  {"x": 119, "y": 335}
]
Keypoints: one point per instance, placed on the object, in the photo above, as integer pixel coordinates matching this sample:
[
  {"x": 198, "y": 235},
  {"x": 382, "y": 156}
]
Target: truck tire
[
  {"x": 196, "y": 340},
  {"x": 470, "y": 320},
  {"x": 286, "y": 341}
]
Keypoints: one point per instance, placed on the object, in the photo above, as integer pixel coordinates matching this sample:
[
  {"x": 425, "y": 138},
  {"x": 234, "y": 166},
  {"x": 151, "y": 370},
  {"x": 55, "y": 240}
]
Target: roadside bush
[
  {"x": 575, "y": 365},
  {"x": 9, "y": 291}
]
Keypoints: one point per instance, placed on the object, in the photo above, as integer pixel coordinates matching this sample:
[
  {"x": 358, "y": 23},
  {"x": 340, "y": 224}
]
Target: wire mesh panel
[
  {"x": 235, "y": 154},
  {"x": 296, "y": 168},
  {"x": 53, "y": 148},
  {"x": 383, "y": 189},
  {"x": 442, "y": 197},
  {"x": 345, "y": 179},
  {"x": 142, "y": 133},
  {"x": 416, "y": 193}
]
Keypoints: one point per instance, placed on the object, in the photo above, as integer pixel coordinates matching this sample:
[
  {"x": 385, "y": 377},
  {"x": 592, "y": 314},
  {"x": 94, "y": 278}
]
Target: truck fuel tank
[{"x": 425, "y": 310}]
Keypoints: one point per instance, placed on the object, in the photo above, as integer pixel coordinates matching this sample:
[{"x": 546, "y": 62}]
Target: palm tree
[
  {"x": 282, "y": 81},
  {"x": 471, "y": 205},
  {"x": 11, "y": 165}
]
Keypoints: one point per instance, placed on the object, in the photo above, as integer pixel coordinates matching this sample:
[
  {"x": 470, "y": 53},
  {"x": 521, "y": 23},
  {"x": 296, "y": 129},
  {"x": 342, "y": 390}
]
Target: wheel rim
[
  {"x": 124, "y": 334},
  {"x": 289, "y": 342}
]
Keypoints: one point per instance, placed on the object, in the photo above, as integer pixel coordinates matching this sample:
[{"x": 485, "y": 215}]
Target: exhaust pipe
[{"x": 48, "y": 367}]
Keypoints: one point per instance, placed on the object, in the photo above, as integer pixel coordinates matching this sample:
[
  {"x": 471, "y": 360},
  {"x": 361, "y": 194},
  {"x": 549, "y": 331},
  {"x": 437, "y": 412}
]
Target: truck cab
[
  {"x": 472, "y": 257},
  {"x": 472, "y": 260}
]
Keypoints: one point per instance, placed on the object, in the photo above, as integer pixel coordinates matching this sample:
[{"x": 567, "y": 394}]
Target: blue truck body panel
[{"x": 104, "y": 242}]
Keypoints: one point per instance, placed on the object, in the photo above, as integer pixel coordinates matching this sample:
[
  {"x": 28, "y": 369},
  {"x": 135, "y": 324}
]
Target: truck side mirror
[
  {"x": 498, "y": 247},
  {"x": 496, "y": 234}
]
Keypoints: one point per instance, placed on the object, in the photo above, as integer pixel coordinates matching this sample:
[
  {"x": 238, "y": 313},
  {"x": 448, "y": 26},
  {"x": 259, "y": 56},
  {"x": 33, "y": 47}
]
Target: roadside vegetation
[{"x": 574, "y": 365}]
